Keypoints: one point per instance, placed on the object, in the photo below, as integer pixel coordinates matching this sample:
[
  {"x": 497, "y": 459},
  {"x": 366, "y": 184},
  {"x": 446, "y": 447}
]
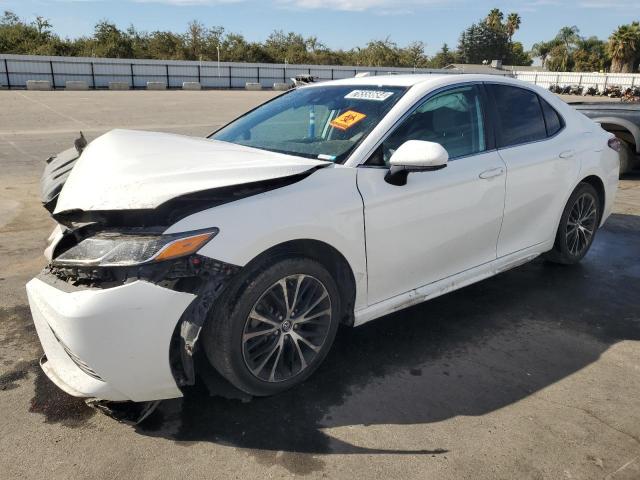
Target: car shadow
[{"x": 470, "y": 352}]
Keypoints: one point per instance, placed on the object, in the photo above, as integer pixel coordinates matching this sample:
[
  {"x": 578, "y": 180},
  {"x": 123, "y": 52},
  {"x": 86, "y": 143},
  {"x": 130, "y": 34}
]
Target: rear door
[{"x": 540, "y": 161}]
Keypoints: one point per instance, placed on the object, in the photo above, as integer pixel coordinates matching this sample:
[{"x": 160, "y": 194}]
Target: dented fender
[{"x": 325, "y": 207}]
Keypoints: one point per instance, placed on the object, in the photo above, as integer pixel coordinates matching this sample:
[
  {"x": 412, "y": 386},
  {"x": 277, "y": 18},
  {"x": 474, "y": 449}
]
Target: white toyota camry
[{"x": 334, "y": 203}]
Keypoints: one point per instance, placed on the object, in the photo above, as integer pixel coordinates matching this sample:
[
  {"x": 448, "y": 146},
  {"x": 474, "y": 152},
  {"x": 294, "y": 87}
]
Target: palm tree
[
  {"x": 568, "y": 36},
  {"x": 494, "y": 19},
  {"x": 513, "y": 24},
  {"x": 624, "y": 47},
  {"x": 542, "y": 50}
]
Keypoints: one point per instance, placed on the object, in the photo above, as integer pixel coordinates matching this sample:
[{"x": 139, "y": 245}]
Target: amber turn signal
[{"x": 183, "y": 246}]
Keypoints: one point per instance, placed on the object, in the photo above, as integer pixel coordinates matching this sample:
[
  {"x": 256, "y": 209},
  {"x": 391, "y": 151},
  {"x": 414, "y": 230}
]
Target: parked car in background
[
  {"x": 621, "y": 119},
  {"x": 334, "y": 203}
]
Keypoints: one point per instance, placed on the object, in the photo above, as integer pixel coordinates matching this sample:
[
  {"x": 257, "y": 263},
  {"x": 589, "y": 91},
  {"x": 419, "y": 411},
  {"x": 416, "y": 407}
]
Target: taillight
[{"x": 615, "y": 144}]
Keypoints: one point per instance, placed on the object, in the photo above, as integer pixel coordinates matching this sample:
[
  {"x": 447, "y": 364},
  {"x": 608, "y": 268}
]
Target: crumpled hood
[{"x": 127, "y": 169}]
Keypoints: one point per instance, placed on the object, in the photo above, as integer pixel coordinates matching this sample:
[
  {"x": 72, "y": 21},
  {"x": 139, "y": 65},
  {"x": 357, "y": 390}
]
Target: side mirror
[{"x": 415, "y": 156}]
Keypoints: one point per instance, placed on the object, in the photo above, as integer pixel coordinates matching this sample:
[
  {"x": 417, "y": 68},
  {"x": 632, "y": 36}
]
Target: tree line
[
  {"x": 569, "y": 51},
  {"x": 489, "y": 39}
]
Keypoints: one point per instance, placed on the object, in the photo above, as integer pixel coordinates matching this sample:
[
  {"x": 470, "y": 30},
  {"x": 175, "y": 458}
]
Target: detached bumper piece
[{"x": 130, "y": 413}]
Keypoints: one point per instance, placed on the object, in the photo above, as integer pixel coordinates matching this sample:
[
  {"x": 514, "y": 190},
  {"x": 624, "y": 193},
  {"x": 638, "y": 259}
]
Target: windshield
[{"x": 324, "y": 123}]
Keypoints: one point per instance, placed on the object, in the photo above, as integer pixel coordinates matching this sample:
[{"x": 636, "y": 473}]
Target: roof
[
  {"x": 473, "y": 68},
  {"x": 407, "y": 80},
  {"x": 505, "y": 69},
  {"x": 420, "y": 83}
]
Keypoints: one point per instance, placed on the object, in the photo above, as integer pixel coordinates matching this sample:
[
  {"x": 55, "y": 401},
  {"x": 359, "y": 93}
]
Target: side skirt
[{"x": 449, "y": 284}]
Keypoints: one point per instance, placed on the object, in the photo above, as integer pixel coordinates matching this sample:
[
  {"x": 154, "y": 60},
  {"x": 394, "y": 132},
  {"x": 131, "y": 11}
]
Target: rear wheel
[
  {"x": 578, "y": 226},
  {"x": 271, "y": 332}
]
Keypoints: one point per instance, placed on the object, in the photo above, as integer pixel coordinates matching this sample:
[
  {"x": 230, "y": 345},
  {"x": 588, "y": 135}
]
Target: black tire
[
  {"x": 567, "y": 248},
  {"x": 224, "y": 335}
]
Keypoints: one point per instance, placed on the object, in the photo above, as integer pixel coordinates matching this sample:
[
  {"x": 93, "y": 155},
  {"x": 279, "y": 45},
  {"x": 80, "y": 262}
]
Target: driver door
[{"x": 441, "y": 222}]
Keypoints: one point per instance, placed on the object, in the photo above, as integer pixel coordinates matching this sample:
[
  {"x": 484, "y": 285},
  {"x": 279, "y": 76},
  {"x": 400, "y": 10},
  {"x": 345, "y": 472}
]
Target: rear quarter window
[
  {"x": 519, "y": 115},
  {"x": 552, "y": 119}
]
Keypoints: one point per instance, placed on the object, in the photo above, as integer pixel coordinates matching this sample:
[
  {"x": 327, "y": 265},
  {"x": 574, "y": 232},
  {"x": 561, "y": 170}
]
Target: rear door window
[{"x": 520, "y": 118}]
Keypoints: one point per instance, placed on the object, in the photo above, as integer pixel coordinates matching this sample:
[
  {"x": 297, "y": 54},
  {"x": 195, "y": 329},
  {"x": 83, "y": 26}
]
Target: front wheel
[
  {"x": 273, "y": 330},
  {"x": 578, "y": 226}
]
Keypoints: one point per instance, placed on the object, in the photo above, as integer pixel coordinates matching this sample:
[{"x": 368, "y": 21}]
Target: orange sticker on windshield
[{"x": 347, "y": 120}]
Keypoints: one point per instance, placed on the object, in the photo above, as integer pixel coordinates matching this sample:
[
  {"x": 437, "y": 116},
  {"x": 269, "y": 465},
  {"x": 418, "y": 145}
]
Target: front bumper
[{"x": 110, "y": 344}]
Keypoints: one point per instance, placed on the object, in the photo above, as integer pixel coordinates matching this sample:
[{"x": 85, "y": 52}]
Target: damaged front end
[
  {"x": 203, "y": 277},
  {"x": 111, "y": 260},
  {"x": 103, "y": 250},
  {"x": 107, "y": 249}
]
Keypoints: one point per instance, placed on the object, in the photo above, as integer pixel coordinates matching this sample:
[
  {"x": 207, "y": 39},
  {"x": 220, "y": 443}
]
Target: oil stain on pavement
[
  {"x": 58, "y": 407},
  {"x": 17, "y": 328},
  {"x": 20, "y": 370},
  {"x": 18, "y": 334},
  {"x": 17, "y": 331}
]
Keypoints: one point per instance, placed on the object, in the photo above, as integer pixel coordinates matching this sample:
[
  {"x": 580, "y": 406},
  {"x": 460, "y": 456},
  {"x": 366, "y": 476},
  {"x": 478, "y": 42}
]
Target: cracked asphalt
[{"x": 534, "y": 373}]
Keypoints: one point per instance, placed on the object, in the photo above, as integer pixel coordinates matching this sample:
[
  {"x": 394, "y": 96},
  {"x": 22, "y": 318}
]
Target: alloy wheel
[
  {"x": 286, "y": 328},
  {"x": 581, "y": 224}
]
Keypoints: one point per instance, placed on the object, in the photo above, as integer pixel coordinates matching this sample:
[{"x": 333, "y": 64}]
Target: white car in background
[{"x": 335, "y": 203}]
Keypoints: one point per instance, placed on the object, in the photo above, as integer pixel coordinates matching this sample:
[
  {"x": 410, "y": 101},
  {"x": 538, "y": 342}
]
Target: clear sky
[{"x": 337, "y": 23}]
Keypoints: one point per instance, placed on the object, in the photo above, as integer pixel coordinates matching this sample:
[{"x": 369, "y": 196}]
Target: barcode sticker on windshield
[{"x": 374, "y": 95}]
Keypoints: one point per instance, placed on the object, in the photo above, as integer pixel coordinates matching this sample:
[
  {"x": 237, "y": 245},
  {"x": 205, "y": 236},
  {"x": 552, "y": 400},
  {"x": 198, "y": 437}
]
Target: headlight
[{"x": 109, "y": 249}]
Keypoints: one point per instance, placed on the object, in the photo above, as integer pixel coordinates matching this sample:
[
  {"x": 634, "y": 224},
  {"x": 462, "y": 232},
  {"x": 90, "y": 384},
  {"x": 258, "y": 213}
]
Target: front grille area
[{"x": 81, "y": 365}]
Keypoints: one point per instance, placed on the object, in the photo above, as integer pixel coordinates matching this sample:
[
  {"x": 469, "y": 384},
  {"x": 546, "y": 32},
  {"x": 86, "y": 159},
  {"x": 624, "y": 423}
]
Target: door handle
[
  {"x": 567, "y": 154},
  {"x": 494, "y": 172}
]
